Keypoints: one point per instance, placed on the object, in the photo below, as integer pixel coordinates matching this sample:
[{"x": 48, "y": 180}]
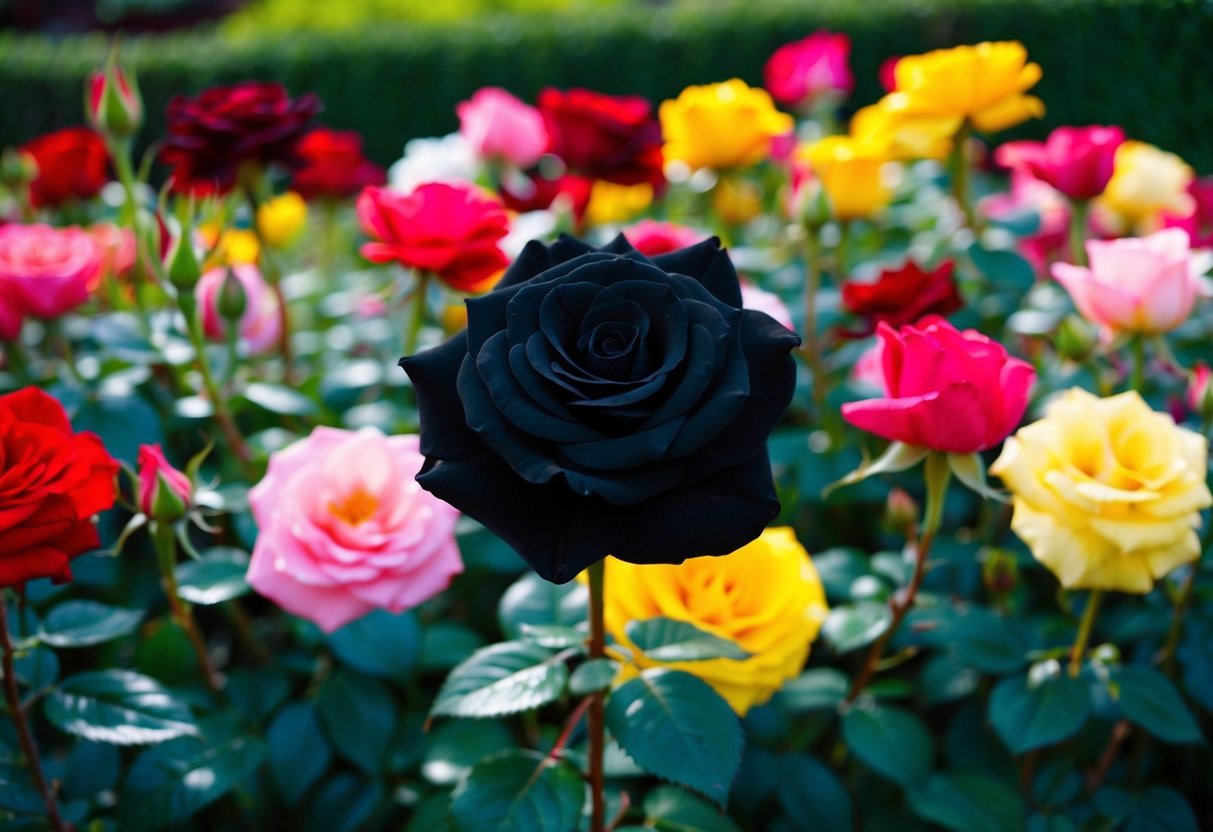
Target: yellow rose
[
  {"x": 1107, "y": 492},
  {"x": 766, "y": 596},
  {"x": 720, "y": 126},
  {"x": 736, "y": 200},
  {"x": 611, "y": 203},
  {"x": 984, "y": 83},
  {"x": 1146, "y": 181},
  {"x": 852, "y": 173},
  {"x": 281, "y": 219},
  {"x": 901, "y": 135},
  {"x": 233, "y": 247}
]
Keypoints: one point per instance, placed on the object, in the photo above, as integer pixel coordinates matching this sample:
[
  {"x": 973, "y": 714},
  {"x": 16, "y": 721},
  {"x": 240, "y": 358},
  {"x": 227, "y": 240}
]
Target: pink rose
[
  {"x": 946, "y": 390},
  {"x": 260, "y": 325},
  {"x": 10, "y": 319},
  {"x": 1137, "y": 284},
  {"x": 499, "y": 126},
  {"x": 760, "y": 300},
  {"x": 1075, "y": 160},
  {"x": 799, "y": 73},
  {"x": 119, "y": 246},
  {"x": 1199, "y": 396},
  {"x": 345, "y": 529},
  {"x": 651, "y": 237},
  {"x": 869, "y": 369},
  {"x": 45, "y": 271},
  {"x": 1199, "y": 223},
  {"x": 164, "y": 492}
]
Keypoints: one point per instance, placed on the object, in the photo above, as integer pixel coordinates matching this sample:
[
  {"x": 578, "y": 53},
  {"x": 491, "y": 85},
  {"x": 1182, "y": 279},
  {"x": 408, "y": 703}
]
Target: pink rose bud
[
  {"x": 1137, "y": 284},
  {"x": 652, "y": 237},
  {"x": 499, "y": 126},
  {"x": 1200, "y": 391},
  {"x": 344, "y": 528},
  {"x": 951, "y": 391},
  {"x": 115, "y": 107},
  {"x": 45, "y": 271},
  {"x": 800, "y": 73},
  {"x": 259, "y": 327},
  {"x": 164, "y": 492},
  {"x": 1075, "y": 160}
]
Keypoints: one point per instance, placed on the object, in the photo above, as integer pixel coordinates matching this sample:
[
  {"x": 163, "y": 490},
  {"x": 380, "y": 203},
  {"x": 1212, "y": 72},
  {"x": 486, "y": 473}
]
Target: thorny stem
[
  {"x": 597, "y": 715},
  {"x": 166, "y": 557}
]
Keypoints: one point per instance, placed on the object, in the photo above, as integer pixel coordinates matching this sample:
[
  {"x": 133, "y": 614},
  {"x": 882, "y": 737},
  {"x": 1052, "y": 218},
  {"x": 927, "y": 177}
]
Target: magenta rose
[
  {"x": 946, "y": 390},
  {"x": 45, "y": 271},
  {"x": 799, "y": 73},
  {"x": 499, "y": 126},
  {"x": 1075, "y": 160},
  {"x": 345, "y": 529}
]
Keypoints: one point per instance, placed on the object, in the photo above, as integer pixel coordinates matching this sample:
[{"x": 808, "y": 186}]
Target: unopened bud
[
  {"x": 1076, "y": 339},
  {"x": 164, "y": 492},
  {"x": 999, "y": 571},
  {"x": 183, "y": 267},
  {"x": 17, "y": 168},
  {"x": 114, "y": 106},
  {"x": 901, "y": 511},
  {"x": 1200, "y": 391},
  {"x": 233, "y": 300}
]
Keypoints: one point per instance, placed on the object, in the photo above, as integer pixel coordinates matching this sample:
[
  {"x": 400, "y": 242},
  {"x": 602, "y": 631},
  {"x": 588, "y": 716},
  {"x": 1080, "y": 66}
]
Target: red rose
[
  {"x": 903, "y": 296},
  {"x": 450, "y": 230},
  {"x": 332, "y": 165},
  {"x": 71, "y": 165},
  {"x": 609, "y": 137},
  {"x": 535, "y": 193},
  {"x": 212, "y": 135},
  {"x": 52, "y": 482}
]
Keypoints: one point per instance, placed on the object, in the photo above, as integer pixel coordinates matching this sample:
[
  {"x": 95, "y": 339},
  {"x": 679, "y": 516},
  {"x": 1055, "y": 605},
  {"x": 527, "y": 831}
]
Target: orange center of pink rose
[{"x": 356, "y": 507}]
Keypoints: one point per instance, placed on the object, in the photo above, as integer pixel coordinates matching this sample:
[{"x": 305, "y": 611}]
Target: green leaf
[
  {"x": 37, "y": 668},
  {"x": 897, "y": 457},
  {"x": 257, "y": 693},
  {"x": 818, "y": 689},
  {"x": 985, "y": 641},
  {"x": 553, "y": 636},
  {"x": 17, "y": 792},
  {"x": 119, "y": 707},
  {"x": 169, "y": 783},
  {"x": 532, "y": 600},
  {"x": 594, "y": 675},
  {"x": 453, "y": 748},
  {"x": 92, "y": 767},
  {"x": 945, "y": 679},
  {"x": 518, "y": 792},
  {"x": 1003, "y": 266},
  {"x": 445, "y": 644},
  {"x": 501, "y": 679},
  {"x": 812, "y": 795},
  {"x": 670, "y": 808},
  {"x": 968, "y": 803},
  {"x": 1030, "y": 716},
  {"x": 891, "y": 741},
  {"x": 358, "y": 715},
  {"x": 1147, "y": 698},
  {"x": 664, "y": 719},
  {"x": 848, "y": 628},
  {"x": 81, "y": 623},
  {"x": 343, "y": 804},
  {"x": 279, "y": 399},
  {"x": 216, "y": 577},
  {"x": 298, "y": 752},
  {"x": 667, "y": 640},
  {"x": 1153, "y": 808},
  {"x": 970, "y": 469},
  {"x": 380, "y": 644},
  {"x": 119, "y": 334}
]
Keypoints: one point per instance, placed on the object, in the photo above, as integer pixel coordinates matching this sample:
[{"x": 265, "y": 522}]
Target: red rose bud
[
  {"x": 233, "y": 300},
  {"x": 72, "y": 164},
  {"x": 901, "y": 511},
  {"x": 164, "y": 492},
  {"x": 1200, "y": 391},
  {"x": 332, "y": 166},
  {"x": 903, "y": 296},
  {"x": 115, "y": 107}
]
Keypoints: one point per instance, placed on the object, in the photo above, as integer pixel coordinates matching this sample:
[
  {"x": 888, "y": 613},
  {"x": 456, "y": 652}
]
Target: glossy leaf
[
  {"x": 667, "y": 640},
  {"x": 501, "y": 679},
  {"x": 217, "y": 577},
  {"x": 84, "y": 623},
  {"x": 1030, "y": 716},
  {"x": 119, "y": 707},
  {"x": 889, "y": 740},
  {"x": 518, "y": 792}
]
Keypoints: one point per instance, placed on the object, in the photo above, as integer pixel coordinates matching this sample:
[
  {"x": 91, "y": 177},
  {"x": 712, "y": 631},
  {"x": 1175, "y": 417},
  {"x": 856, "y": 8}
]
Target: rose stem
[
  {"x": 960, "y": 175},
  {"x": 1137, "y": 380},
  {"x": 937, "y": 474},
  {"x": 273, "y": 276},
  {"x": 1079, "y": 209},
  {"x": 26, "y": 738},
  {"x": 223, "y": 416},
  {"x": 166, "y": 557},
  {"x": 417, "y": 313},
  {"x": 120, "y": 153},
  {"x": 1084, "y": 632},
  {"x": 812, "y": 347},
  {"x": 575, "y": 717},
  {"x": 597, "y": 718}
]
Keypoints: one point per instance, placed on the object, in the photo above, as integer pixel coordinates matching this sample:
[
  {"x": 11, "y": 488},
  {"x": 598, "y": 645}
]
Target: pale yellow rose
[
  {"x": 281, "y": 219},
  {"x": 852, "y": 173},
  {"x": 985, "y": 84},
  {"x": 766, "y": 596},
  {"x": 1107, "y": 492},
  {"x": 721, "y": 126},
  {"x": 612, "y": 203},
  {"x": 1145, "y": 182}
]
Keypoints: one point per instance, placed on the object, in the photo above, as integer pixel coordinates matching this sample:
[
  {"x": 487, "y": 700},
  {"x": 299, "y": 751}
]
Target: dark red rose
[
  {"x": 332, "y": 165},
  {"x": 611, "y": 137},
  {"x": 538, "y": 193},
  {"x": 903, "y": 296},
  {"x": 71, "y": 165},
  {"x": 212, "y": 135},
  {"x": 52, "y": 482}
]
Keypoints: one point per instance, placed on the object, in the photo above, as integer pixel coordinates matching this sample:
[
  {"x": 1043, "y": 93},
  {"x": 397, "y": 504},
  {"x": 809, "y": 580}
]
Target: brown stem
[
  {"x": 597, "y": 710},
  {"x": 1120, "y": 732},
  {"x": 166, "y": 555},
  {"x": 574, "y": 718},
  {"x": 24, "y": 735},
  {"x": 243, "y": 626},
  {"x": 223, "y": 416}
]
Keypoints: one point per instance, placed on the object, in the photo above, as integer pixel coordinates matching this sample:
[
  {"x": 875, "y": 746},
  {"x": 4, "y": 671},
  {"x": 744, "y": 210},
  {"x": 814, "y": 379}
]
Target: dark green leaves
[
  {"x": 812, "y": 796},
  {"x": 379, "y": 644},
  {"x": 279, "y": 399},
  {"x": 119, "y": 707},
  {"x": 1147, "y": 698},
  {"x": 83, "y": 623},
  {"x": 672, "y": 809},
  {"x": 676, "y": 727},
  {"x": 891, "y": 741},
  {"x": 358, "y": 715},
  {"x": 502, "y": 679},
  {"x": 298, "y": 751},
  {"x": 518, "y": 792},
  {"x": 1156, "y": 807},
  {"x": 851, "y": 627},
  {"x": 968, "y": 803},
  {"x": 817, "y": 689},
  {"x": 532, "y": 600},
  {"x": 1028, "y": 716},
  {"x": 666, "y": 640},
  {"x": 217, "y": 577},
  {"x": 594, "y": 675}
]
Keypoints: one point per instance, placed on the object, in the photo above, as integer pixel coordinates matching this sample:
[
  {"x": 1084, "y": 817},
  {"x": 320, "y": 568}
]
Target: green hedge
[{"x": 1138, "y": 63}]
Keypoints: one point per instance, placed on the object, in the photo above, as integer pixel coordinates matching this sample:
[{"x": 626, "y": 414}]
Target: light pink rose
[
  {"x": 345, "y": 529},
  {"x": 499, "y": 126},
  {"x": 760, "y": 300},
  {"x": 45, "y": 271},
  {"x": 1137, "y": 284},
  {"x": 652, "y": 237},
  {"x": 946, "y": 390},
  {"x": 260, "y": 325}
]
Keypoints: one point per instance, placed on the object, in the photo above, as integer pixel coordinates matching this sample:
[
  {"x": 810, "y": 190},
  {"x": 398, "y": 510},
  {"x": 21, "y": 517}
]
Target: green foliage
[
  {"x": 1029, "y": 714},
  {"x": 889, "y": 740},
  {"x": 518, "y": 792},
  {"x": 298, "y": 751},
  {"x": 216, "y": 577},
  {"x": 1147, "y": 698},
  {"x": 502, "y": 679},
  {"x": 964, "y": 802},
  {"x": 83, "y": 623},
  {"x": 119, "y": 707},
  {"x": 666, "y": 640}
]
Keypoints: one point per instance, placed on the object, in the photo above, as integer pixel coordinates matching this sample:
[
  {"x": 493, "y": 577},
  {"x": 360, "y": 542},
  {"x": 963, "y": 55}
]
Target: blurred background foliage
[{"x": 392, "y": 79}]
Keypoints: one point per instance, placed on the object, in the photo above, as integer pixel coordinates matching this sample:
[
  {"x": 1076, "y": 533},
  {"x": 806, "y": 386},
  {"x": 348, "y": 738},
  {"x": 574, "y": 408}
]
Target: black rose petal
[{"x": 708, "y": 262}]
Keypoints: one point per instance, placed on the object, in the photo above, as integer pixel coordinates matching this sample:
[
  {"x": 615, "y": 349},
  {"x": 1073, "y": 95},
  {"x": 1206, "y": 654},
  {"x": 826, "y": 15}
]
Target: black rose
[{"x": 601, "y": 402}]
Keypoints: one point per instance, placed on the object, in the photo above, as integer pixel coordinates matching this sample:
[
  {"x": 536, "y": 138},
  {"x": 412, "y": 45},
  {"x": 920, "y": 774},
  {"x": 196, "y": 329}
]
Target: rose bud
[
  {"x": 165, "y": 493},
  {"x": 17, "y": 168},
  {"x": 183, "y": 267},
  {"x": 259, "y": 327},
  {"x": 1076, "y": 339},
  {"x": 114, "y": 107},
  {"x": 902, "y": 296},
  {"x": 901, "y": 511},
  {"x": 1077, "y": 161},
  {"x": 999, "y": 571},
  {"x": 233, "y": 300},
  {"x": 1200, "y": 391},
  {"x": 332, "y": 165}
]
